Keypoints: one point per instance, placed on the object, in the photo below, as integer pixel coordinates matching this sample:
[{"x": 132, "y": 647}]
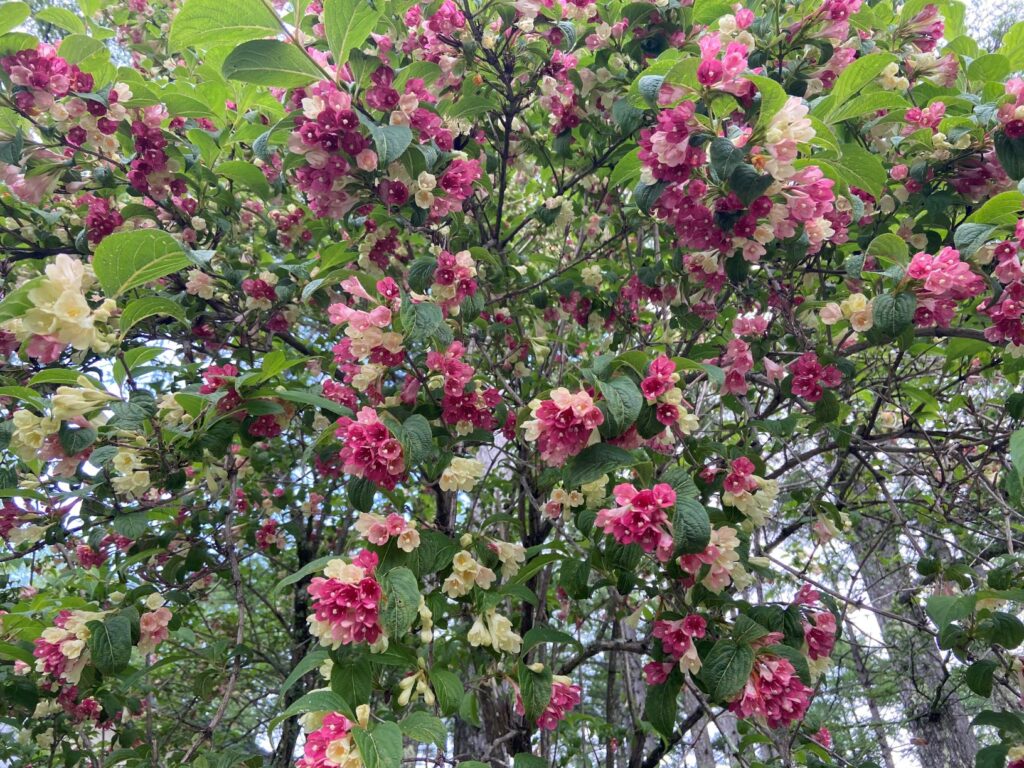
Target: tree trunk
[{"x": 934, "y": 713}]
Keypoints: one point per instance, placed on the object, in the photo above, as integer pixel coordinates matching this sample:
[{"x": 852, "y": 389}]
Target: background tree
[{"x": 487, "y": 384}]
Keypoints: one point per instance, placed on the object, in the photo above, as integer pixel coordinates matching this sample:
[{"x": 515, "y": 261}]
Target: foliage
[{"x": 510, "y": 384}]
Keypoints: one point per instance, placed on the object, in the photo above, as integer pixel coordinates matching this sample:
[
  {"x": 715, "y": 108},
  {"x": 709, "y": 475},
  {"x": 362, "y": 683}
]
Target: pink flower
[
  {"x": 370, "y": 450},
  {"x": 564, "y": 696},
  {"x": 773, "y": 693},
  {"x": 677, "y": 636},
  {"x": 563, "y": 425},
  {"x": 820, "y": 634},
  {"x": 346, "y": 609},
  {"x": 641, "y": 519},
  {"x": 809, "y": 376}
]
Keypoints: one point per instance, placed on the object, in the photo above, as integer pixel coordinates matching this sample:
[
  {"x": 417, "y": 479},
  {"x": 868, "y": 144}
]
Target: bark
[
  {"x": 934, "y": 713},
  {"x": 702, "y": 750},
  {"x": 864, "y": 677}
]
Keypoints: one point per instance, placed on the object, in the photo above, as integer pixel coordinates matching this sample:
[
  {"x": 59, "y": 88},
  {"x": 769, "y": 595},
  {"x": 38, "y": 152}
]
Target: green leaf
[
  {"x": 11, "y": 15},
  {"x": 416, "y": 439},
  {"x": 969, "y": 237},
  {"x": 351, "y": 678},
  {"x": 725, "y": 157},
  {"x": 1013, "y": 45},
  {"x": 314, "y": 701},
  {"x": 889, "y": 248},
  {"x": 11, "y": 651},
  {"x": 17, "y": 303},
  {"x": 863, "y": 169},
  {"x": 992, "y": 756},
  {"x": 448, "y": 688},
  {"x": 381, "y": 747},
  {"x": 535, "y": 688},
  {"x": 526, "y": 760},
  {"x": 347, "y": 25},
  {"x": 866, "y": 105},
  {"x": 646, "y": 195},
  {"x": 660, "y": 708},
  {"x": 126, "y": 260},
  {"x": 726, "y": 669},
  {"x": 400, "y": 602},
  {"x": 748, "y": 184},
  {"x": 390, "y": 141},
  {"x": 131, "y": 525},
  {"x": 139, "y": 309},
  {"x": 1004, "y": 208},
  {"x": 1003, "y": 629},
  {"x": 622, "y": 400},
  {"x": 773, "y": 98},
  {"x": 746, "y": 630},
  {"x": 1010, "y": 152},
  {"x": 1004, "y": 721},
  {"x": 892, "y": 314},
  {"x": 945, "y": 609},
  {"x": 627, "y": 169},
  {"x": 990, "y": 67},
  {"x": 537, "y": 635},
  {"x": 591, "y": 463},
  {"x": 74, "y": 440},
  {"x": 270, "y": 62},
  {"x": 421, "y": 320},
  {"x": 110, "y": 643},
  {"x": 691, "y": 526},
  {"x": 61, "y": 17},
  {"x": 210, "y": 23},
  {"x": 861, "y": 72},
  {"x": 424, "y": 728},
  {"x": 361, "y": 493},
  {"x": 979, "y": 676},
  {"x": 307, "y": 664},
  {"x": 245, "y": 174}
]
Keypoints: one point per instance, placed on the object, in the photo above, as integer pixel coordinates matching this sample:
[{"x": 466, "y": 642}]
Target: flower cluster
[
  {"x": 379, "y": 530},
  {"x": 641, "y": 518},
  {"x": 789, "y": 128},
  {"x": 330, "y": 745},
  {"x": 466, "y": 573},
  {"x": 461, "y": 475},
  {"x": 269, "y": 536},
  {"x": 370, "y": 450},
  {"x": 722, "y": 559},
  {"x": 945, "y": 280},
  {"x": 494, "y": 631},
  {"x": 60, "y": 315},
  {"x": 773, "y": 693},
  {"x": 856, "y": 308},
  {"x": 1011, "y": 113},
  {"x": 327, "y": 137},
  {"x": 810, "y": 376},
  {"x": 153, "y": 628},
  {"x": 677, "y": 639},
  {"x": 565, "y": 695},
  {"x": 61, "y": 651},
  {"x": 41, "y": 76},
  {"x": 346, "y": 603},
  {"x": 659, "y": 388},
  {"x": 563, "y": 425},
  {"x": 454, "y": 280},
  {"x": 365, "y": 336},
  {"x": 464, "y": 404}
]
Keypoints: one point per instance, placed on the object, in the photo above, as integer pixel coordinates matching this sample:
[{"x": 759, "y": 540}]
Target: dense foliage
[{"x": 485, "y": 383}]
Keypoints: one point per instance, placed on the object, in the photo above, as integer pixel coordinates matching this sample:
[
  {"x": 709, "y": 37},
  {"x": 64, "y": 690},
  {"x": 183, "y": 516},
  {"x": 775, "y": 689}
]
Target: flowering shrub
[{"x": 510, "y": 385}]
